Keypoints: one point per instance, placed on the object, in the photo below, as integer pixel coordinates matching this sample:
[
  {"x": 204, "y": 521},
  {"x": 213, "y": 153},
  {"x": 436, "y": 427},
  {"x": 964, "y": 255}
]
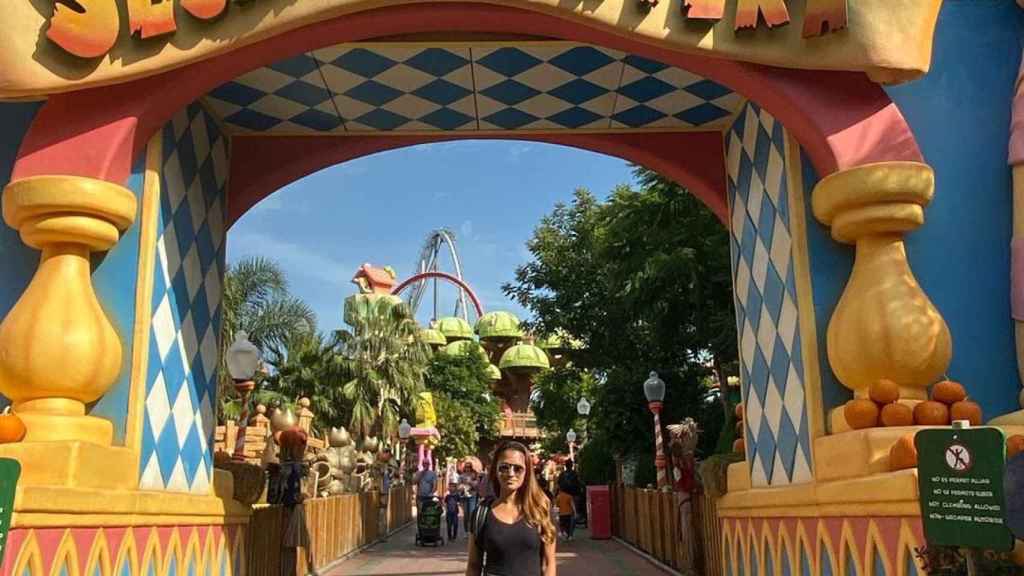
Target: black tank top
[{"x": 510, "y": 549}]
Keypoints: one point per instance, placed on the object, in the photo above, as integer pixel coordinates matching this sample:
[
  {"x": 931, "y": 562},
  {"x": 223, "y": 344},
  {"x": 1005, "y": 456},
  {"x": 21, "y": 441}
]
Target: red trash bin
[{"x": 599, "y": 512}]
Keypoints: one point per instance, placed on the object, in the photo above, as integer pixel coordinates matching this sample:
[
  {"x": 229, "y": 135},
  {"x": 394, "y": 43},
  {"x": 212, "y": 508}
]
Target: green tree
[
  {"x": 382, "y": 363},
  {"x": 310, "y": 366},
  {"x": 553, "y": 402},
  {"x": 643, "y": 280},
  {"x": 467, "y": 412},
  {"x": 256, "y": 300}
]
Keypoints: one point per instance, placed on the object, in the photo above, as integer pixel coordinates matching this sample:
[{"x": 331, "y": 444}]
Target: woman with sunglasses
[{"x": 512, "y": 533}]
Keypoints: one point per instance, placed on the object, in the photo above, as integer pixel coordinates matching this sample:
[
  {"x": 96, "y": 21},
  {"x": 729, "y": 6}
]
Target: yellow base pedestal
[
  {"x": 73, "y": 464},
  {"x": 1013, "y": 419},
  {"x": 852, "y": 477},
  {"x": 64, "y": 506},
  {"x": 63, "y": 428}
]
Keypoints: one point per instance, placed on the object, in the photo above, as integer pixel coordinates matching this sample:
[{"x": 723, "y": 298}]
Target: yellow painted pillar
[
  {"x": 884, "y": 325},
  {"x": 58, "y": 349}
]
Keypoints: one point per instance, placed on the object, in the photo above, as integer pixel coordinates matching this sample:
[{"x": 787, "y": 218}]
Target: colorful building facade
[{"x": 821, "y": 132}]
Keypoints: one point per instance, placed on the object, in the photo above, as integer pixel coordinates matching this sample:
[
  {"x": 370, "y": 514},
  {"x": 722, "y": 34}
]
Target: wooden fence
[
  {"x": 338, "y": 525},
  {"x": 650, "y": 520}
]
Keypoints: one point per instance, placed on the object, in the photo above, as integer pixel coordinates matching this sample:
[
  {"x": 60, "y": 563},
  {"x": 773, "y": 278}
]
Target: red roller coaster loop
[{"x": 446, "y": 276}]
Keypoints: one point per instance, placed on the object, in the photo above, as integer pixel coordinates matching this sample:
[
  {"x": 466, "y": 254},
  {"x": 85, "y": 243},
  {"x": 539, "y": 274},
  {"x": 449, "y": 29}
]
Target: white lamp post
[
  {"x": 583, "y": 407},
  {"x": 243, "y": 360},
  {"x": 570, "y": 438},
  {"x": 654, "y": 390}
]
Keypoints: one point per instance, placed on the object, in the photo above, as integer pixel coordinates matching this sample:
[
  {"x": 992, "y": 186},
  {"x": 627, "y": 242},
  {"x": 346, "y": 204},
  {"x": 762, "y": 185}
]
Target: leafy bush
[{"x": 596, "y": 462}]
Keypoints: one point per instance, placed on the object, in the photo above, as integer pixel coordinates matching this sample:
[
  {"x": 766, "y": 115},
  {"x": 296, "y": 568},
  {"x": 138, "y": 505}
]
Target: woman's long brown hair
[{"x": 532, "y": 501}]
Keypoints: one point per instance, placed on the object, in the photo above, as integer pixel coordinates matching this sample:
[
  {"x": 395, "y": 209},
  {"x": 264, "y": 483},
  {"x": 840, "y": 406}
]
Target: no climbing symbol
[{"x": 958, "y": 458}]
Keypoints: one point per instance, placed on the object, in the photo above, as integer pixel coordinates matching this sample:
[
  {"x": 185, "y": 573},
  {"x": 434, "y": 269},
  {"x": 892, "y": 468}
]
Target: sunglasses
[{"x": 506, "y": 468}]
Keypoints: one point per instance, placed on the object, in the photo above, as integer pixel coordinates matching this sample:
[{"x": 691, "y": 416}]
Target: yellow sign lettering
[
  {"x": 824, "y": 16},
  {"x": 204, "y": 9},
  {"x": 151, "y": 17},
  {"x": 705, "y": 9},
  {"x": 90, "y": 32},
  {"x": 773, "y": 11}
]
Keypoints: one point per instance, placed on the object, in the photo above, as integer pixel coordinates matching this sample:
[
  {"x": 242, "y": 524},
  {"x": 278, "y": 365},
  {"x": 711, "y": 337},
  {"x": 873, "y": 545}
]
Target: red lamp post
[
  {"x": 654, "y": 390},
  {"x": 243, "y": 360}
]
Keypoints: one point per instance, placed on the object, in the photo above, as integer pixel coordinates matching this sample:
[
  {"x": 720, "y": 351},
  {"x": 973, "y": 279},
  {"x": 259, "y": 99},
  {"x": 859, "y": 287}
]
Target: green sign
[
  {"x": 960, "y": 482},
  {"x": 10, "y": 470}
]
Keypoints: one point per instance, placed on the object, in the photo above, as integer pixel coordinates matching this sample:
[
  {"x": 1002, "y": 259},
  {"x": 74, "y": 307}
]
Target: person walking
[
  {"x": 566, "y": 513},
  {"x": 468, "y": 482},
  {"x": 451, "y": 511},
  {"x": 426, "y": 486},
  {"x": 512, "y": 533}
]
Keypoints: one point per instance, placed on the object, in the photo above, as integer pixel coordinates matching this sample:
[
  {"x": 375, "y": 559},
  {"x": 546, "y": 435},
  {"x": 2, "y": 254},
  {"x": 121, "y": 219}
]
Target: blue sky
[{"x": 380, "y": 209}]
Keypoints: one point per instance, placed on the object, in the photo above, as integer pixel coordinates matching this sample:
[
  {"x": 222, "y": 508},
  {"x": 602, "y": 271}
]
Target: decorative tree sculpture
[{"x": 682, "y": 447}]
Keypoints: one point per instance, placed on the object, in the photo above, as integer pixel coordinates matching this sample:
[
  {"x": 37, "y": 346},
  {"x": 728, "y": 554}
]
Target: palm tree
[
  {"x": 310, "y": 367},
  {"x": 256, "y": 299},
  {"x": 384, "y": 363}
]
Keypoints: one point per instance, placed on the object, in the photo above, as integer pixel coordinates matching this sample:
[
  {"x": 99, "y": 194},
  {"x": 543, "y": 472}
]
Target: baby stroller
[{"x": 428, "y": 523}]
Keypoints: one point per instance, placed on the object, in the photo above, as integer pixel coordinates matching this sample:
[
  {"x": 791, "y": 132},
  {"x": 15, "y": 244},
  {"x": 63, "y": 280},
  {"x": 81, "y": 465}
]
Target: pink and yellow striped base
[
  {"x": 821, "y": 546},
  {"x": 126, "y": 551}
]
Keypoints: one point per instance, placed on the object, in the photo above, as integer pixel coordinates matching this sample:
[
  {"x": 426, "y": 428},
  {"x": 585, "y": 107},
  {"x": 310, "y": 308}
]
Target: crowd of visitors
[{"x": 467, "y": 487}]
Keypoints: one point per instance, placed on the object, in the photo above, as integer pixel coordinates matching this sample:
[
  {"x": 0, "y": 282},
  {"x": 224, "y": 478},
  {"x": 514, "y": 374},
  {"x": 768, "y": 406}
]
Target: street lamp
[
  {"x": 243, "y": 360},
  {"x": 654, "y": 390},
  {"x": 583, "y": 408},
  {"x": 570, "y": 438},
  {"x": 404, "y": 429}
]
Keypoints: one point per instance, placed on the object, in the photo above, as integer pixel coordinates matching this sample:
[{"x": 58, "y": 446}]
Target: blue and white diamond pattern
[
  {"x": 181, "y": 383},
  {"x": 654, "y": 95},
  {"x": 772, "y": 373},
  {"x": 398, "y": 88},
  {"x": 493, "y": 87},
  {"x": 288, "y": 96},
  {"x": 544, "y": 87}
]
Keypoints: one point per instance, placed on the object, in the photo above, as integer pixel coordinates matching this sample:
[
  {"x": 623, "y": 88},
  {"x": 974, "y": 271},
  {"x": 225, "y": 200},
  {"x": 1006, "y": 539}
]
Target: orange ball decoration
[
  {"x": 897, "y": 414},
  {"x": 884, "y": 391},
  {"x": 739, "y": 446},
  {"x": 12, "y": 429},
  {"x": 1014, "y": 445},
  {"x": 965, "y": 410},
  {"x": 903, "y": 453},
  {"x": 931, "y": 413},
  {"x": 739, "y": 411},
  {"x": 861, "y": 413},
  {"x": 948, "y": 392}
]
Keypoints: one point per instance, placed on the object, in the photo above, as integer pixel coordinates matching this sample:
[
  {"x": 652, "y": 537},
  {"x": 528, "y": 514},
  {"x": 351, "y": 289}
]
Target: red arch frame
[
  {"x": 842, "y": 119},
  {"x": 449, "y": 277},
  {"x": 296, "y": 156}
]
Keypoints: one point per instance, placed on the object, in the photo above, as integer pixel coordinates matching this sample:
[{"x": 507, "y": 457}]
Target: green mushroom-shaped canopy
[
  {"x": 494, "y": 372},
  {"x": 524, "y": 357},
  {"x": 432, "y": 337},
  {"x": 464, "y": 347},
  {"x": 496, "y": 325},
  {"x": 454, "y": 328},
  {"x": 559, "y": 342}
]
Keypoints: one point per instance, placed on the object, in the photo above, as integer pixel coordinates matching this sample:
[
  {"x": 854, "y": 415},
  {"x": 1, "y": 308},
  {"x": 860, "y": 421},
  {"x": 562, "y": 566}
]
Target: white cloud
[
  {"x": 518, "y": 149},
  {"x": 297, "y": 259},
  {"x": 466, "y": 230},
  {"x": 271, "y": 203}
]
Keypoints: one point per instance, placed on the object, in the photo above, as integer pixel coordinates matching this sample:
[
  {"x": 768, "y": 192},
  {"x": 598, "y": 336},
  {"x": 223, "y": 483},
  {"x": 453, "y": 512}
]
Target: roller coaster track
[{"x": 428, "y": 267}]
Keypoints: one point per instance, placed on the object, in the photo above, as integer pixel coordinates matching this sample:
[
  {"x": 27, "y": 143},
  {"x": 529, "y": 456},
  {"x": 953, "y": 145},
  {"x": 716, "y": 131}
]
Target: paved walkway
[{"x": 399, "y": 556}]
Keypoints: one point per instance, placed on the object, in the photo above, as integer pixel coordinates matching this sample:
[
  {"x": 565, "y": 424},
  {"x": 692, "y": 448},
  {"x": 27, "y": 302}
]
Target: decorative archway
[
  {"x": 757, "y": 175},
  {"x": 96, "y": 132}
]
